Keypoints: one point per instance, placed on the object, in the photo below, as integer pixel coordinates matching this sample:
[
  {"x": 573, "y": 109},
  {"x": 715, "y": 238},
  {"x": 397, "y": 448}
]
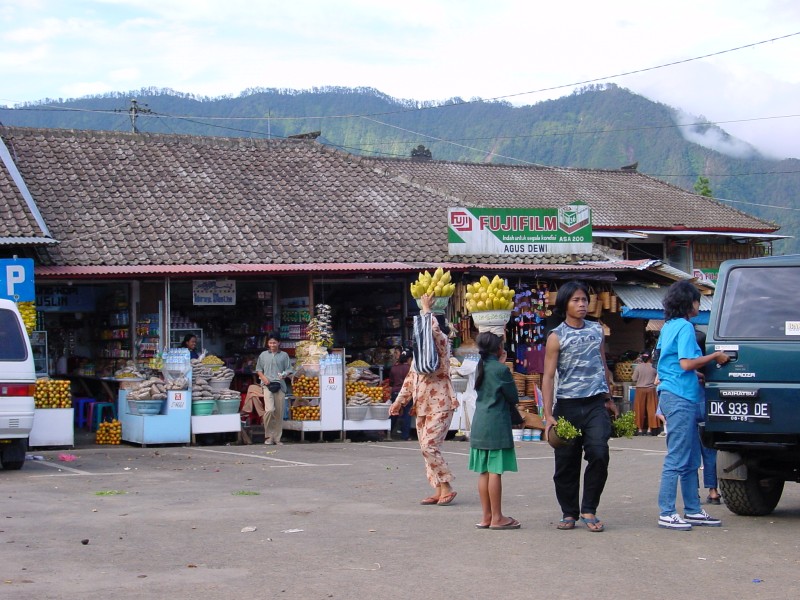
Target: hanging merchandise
[{"x": 530, "y": 312}]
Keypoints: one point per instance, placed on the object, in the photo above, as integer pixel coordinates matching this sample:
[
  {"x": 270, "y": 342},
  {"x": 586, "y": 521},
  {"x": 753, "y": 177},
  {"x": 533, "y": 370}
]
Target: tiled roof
[
  {"x": 115, "y": 199},
  {"x": 619, "y": 199},
  {"x": 17, "y": 223}
]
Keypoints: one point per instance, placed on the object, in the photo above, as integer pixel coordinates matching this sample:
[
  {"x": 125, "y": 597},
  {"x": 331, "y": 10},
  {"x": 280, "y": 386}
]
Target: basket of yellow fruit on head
[
  {"x": 438, "y": 284},
  {"x": 489, "y": 303}
]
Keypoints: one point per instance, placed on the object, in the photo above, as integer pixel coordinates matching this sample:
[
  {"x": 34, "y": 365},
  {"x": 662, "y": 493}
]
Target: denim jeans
[
  {"x": 591, "y": 417},
  {"x": 709, "y": 467},
  {"x": 683, "y": 453}
]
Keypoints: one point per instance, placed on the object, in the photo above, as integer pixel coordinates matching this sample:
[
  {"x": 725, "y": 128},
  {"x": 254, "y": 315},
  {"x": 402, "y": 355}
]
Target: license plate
[{"x": 740, "y": 409}]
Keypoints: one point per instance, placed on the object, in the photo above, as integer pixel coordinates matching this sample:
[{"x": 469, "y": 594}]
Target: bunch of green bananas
[
  {"x": 437, "y": 284},
  {"x": 489, "y": 295}
]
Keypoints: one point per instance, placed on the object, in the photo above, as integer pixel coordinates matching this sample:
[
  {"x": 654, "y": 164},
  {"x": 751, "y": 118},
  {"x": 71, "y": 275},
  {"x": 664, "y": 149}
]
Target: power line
[{"x": 516, "y": 94}]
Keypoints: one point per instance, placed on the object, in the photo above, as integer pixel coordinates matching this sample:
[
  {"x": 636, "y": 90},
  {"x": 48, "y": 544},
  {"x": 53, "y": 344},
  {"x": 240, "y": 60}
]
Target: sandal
[
  {"x": 429, "y": 501},
  {"x": 714, "y": 500},
  {"x": 445, "y": 500},
  {"x": 512, "y": 524},
  {"x": 481, "y": 526},
  {"x": 598, "y": 524},
  {"x": 566, "y": 523}
]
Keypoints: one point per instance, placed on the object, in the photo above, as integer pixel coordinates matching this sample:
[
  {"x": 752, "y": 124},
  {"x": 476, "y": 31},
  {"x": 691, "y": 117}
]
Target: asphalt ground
[{"x": 343, "y": 520}]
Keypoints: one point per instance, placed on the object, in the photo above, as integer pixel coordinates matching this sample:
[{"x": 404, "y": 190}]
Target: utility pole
[{"x": 134, "y": 111}]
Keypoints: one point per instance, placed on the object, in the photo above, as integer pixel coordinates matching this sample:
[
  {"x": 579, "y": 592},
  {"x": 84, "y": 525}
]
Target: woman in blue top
[
  {"x": 681, "y": 400},
  {"x": 491, "y": 443}
]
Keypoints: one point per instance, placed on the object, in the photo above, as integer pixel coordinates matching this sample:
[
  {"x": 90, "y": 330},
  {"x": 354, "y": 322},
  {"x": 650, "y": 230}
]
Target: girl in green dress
[{"x": 491, "y": 442}]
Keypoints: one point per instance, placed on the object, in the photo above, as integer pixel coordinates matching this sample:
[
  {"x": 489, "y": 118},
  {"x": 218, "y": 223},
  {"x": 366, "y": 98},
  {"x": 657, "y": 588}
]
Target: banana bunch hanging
[
  {"x": 489, "y": 295},
  {"x": 27, "y": 311},
  {"x": 437, "y": 284}
]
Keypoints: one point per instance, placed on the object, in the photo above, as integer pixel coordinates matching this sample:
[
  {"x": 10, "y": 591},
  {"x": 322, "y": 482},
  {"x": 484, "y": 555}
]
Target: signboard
[
  {"x": 16, "y": 279},
  {"x": 206, "y": 292},
  {"x": 520, "y": 231},
  {"x": 65, "y": 298},
  {"x": 709, "y": 275}
]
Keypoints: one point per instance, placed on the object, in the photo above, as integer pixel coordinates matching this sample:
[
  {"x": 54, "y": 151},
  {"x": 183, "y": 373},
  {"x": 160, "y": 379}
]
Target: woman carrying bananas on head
[{"x": 433, "y": 397}]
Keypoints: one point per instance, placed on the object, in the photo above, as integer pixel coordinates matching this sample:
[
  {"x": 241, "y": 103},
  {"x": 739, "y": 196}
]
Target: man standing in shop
[{"x": 272, "y": 368}]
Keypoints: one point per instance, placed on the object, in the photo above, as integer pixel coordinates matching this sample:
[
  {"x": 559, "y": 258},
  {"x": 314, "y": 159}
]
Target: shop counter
[
  {"x": 171, "y": 426},
  {"x": 216, "y": 424},
  {"x": 52, "y": 427}
]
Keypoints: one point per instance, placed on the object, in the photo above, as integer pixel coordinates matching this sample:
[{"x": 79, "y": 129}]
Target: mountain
[{"x": 602, "y": 127}]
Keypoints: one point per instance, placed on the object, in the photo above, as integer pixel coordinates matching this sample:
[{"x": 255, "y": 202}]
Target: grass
[
  {"x": 245, "y": 493},
  {"x": 110, "y": 493}
]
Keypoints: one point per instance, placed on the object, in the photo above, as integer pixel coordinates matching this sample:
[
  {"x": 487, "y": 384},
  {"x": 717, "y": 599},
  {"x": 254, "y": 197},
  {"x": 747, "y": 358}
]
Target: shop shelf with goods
[
  {"x": 255, "y": 319},
  {"x": 215, "y": 407},
  {"x": 295, "y": 315},
  {"x": 176, "y": 336},
  {"x": 148, "y": 339},
  {"x": 319, "y": 400},
  {"x": 39, "y": 347},
  {"x": 366, "y": 399}
]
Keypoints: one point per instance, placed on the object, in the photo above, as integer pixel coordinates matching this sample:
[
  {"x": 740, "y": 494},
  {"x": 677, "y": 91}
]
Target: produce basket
[
  {"x": 355, "y": 413},
  {"x": 439, "y": 304},
  {"x": 228, "y": 407},
  {"x": 460, "y": 384},
  {"x": 490, "y": 318},
  {"x": 220, "y": 384},
  {"x": 145, "y": 407},
  {"x": 378, "y": 411},
  {"x": 202, "y": 408}
]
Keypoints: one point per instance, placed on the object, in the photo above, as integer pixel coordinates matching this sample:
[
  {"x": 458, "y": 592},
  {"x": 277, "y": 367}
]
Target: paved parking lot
[{"x": 342, "y": 520}]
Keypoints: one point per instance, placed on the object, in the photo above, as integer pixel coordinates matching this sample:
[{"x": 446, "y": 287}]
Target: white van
[{"x": 17, "y": 385}]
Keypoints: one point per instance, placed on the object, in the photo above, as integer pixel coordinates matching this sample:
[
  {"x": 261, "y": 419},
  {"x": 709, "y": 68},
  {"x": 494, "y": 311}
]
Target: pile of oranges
[
  {"x": 305, "y": 413},
  {"x": 52, "y": 393},
  {"x": 109, "y": 432},
  {"x": 305, "y": 386},
  {"x": 375, "y": 393}
]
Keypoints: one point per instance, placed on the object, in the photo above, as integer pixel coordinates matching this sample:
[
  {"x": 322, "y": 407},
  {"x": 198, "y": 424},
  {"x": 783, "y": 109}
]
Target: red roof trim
[{"x": 80, "y": 272}]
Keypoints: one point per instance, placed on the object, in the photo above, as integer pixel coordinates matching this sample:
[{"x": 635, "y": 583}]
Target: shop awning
[{"x": 639, "y": 302}]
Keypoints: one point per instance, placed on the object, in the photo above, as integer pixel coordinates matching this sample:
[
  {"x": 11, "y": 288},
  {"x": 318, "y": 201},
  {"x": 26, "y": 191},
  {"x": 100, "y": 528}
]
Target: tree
[{"x": 702, "y": 186}]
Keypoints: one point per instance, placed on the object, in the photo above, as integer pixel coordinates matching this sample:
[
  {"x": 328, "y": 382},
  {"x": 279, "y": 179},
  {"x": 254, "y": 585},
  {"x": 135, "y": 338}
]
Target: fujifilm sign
[{"x": 520, "y": 231}]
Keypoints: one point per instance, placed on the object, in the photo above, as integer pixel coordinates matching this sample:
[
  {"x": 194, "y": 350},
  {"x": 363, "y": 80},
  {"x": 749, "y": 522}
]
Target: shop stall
[
  {"x": 158, "y": 411},
  {"x": 53, "y": 415}
]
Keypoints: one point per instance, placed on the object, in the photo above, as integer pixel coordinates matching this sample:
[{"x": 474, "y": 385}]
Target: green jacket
[{"x": 491, "y": 425}]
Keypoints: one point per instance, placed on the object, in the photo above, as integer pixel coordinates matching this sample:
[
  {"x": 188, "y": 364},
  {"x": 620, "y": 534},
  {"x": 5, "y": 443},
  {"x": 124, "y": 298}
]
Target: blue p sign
[{"x": 16, "y": 279}]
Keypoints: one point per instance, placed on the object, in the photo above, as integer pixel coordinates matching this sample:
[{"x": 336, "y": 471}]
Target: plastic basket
[
  {"x": 145, "y": 407},
  {"x": 378, "y": 411},
  {"x": 439, "y": 304},
  {"x": 201, "y": 408},
  {"x": 219, "y": 385},
  {"x": 355, "y": 413},
  {"x": 460, "y": 384},
  {"x": 228, "y": 407}
]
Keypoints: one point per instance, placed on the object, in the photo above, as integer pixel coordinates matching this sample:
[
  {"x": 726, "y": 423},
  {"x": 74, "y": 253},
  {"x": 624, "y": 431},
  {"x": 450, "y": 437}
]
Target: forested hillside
[{"x": 596, "y": 127}]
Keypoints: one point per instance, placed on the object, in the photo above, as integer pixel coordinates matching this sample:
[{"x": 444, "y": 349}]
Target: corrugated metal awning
[{"x": 639, "y": 302}]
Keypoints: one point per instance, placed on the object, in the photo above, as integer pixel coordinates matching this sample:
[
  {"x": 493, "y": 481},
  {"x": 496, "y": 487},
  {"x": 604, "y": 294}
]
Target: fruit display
[
  {"x": 358, "y": 364},
  {"x": 489, "y": 295},
  {"x": 305, "y": 413},
  {"x": 52, "y": 393},
  {"x": 438, "y": 284},
  {"x": 319, "y": 328},
  {"x": 362, "y": 389},
  {"x": 109, "y": 432},
  {"x": 359, "y": 399},
  {"x": 212, "y": 361},
  {"x": 27, "y": 311},
  {"x": 305, "y": 386},
  {"x": 128, "y": 371}
]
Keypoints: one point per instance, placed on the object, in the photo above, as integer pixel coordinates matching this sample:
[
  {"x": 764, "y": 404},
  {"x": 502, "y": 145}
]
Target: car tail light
[{"x": 17, "y": 389}]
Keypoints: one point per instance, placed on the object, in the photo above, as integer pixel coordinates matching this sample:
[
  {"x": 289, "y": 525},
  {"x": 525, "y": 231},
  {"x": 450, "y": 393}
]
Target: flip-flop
[
  {"x": 714, "y": 500},
  {"x": 512, "y": 524},
  {"x": 479, "y": 526},
  {"x": 566, "y": 524},
  {"x": 593, "y": 521},
  {"x": 429, "y": 501},
  {"x": 445, "y": 500}
]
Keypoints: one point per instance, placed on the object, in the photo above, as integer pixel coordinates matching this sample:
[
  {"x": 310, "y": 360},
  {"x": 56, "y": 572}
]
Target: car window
[
  {"x": 761, "y": 303},
  {"x": 12, "y": 338}
]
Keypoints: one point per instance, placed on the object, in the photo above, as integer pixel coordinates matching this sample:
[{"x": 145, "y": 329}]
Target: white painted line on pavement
[
  {"x": 61, "y": 467},
  {"x": 272, "y": 458}
]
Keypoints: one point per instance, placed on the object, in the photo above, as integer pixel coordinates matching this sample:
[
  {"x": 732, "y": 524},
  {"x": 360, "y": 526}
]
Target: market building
[{"x": 139, "y": 239}]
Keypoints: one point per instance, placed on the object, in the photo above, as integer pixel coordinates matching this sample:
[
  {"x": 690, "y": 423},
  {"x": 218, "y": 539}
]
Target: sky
[{"x": 426, "y": 50}]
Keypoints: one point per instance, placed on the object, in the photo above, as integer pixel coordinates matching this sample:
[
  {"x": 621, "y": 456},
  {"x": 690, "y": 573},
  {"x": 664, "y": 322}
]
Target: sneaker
[
  {"x": 673, "y": 522},
  {"x": 702, "y": 518}
]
